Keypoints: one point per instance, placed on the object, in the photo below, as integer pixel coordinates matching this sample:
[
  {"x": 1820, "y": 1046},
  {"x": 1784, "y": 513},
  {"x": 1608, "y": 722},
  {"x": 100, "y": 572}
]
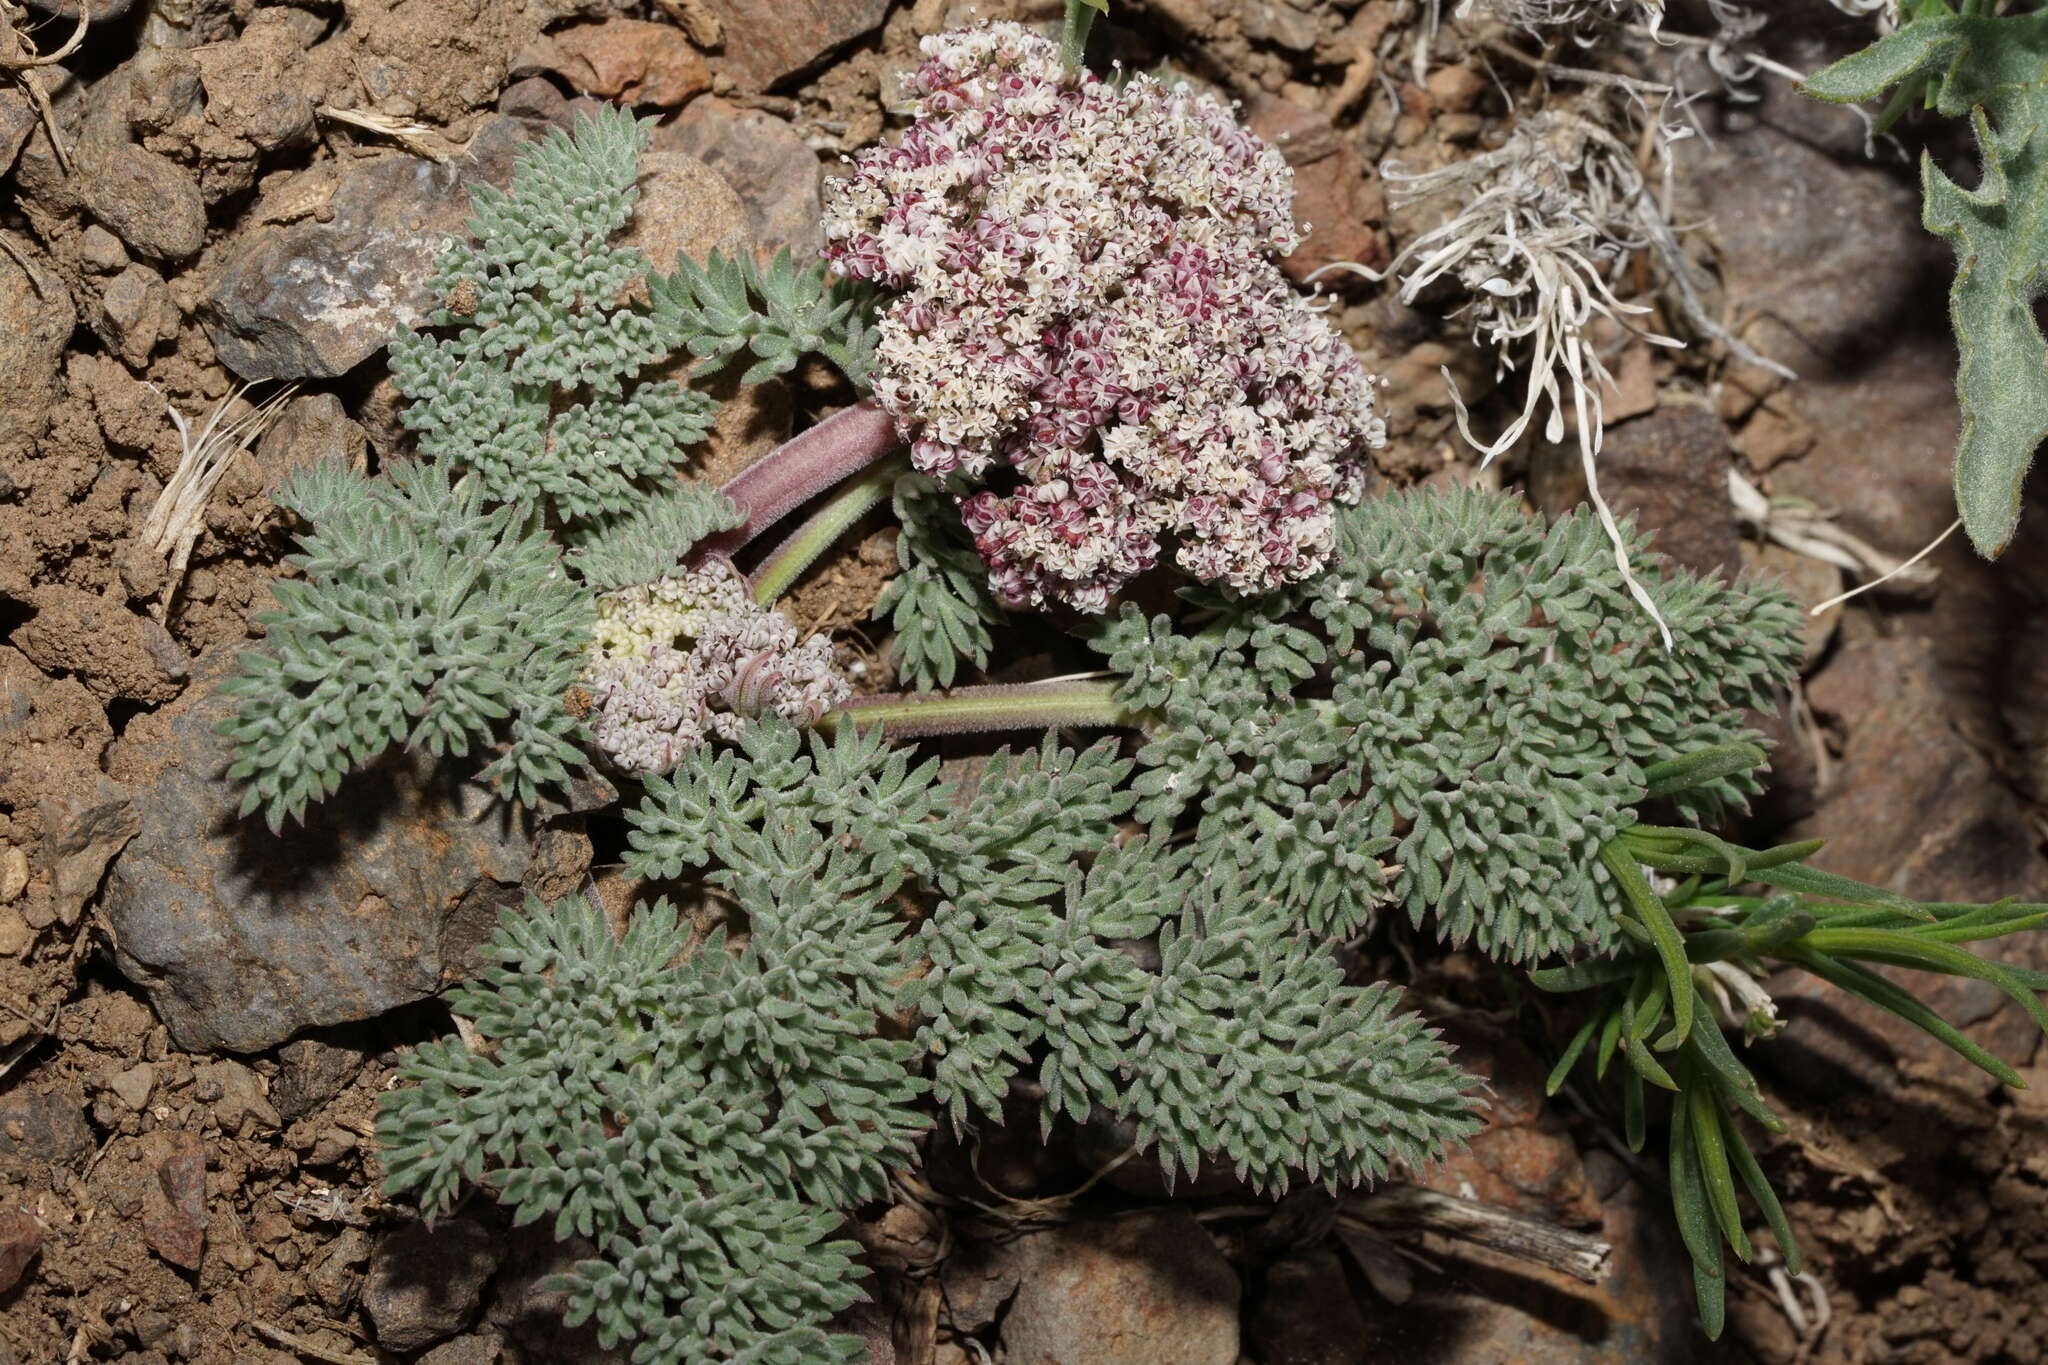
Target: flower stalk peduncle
[
  {"x": 787, "y": 562},
  {"x": 799, "y": 469},
  {"x": 1089, "y": 704}
]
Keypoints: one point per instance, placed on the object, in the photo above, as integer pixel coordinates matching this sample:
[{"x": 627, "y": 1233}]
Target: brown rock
[
  {"x": 1808, "y": 581},
  {"x": 432, "y": 60},
  {"x": 1137, "y": 1290},
  {"x": 147, "y": 200},
  {"x": 21, "y": 1237},
  {"x": 85, "y": 823},
  {"x": 767, "y": 163},
  {"x": 630, "y": 60},
  {"x": 1308, "y": 1315},
  {"x": 13, "y": 874},
  {"x": 1916, "y": 809},
  {"x": 135, "y": 313},
  {"x": 314, "y": 428},
  {"x": 112, "y": 650},
  {"x": 1491, "y": 1308},
  {"x": 44, "y": 1126},
  {"x": 36, "y": 319},
  {"x": 767, "y": 41},
  {"x": 1669, "y": 470},
  {"x": 100, "y": 250},
  {"x": 1335, "y": 193},
  {"x": 1523, "y": 1159},
  {"x": 685, "y": 209},
  {"x": 1774, "y": 434},
  {"x": 1457, "y": 88},
  {"x": 16, "y": 937},
  {"x": 257, "y": 86},
  {"x": 174, "y": 1201},
  {"x": 425, "y": 1285},
  {"x": 17, "y": 121},
  {"x": 236, "y": 1096}
]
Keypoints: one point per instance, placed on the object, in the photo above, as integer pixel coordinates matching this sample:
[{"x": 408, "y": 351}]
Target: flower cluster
[
  {"x": 690, "y": 656},
  {"x": 1088, "y": 309}
]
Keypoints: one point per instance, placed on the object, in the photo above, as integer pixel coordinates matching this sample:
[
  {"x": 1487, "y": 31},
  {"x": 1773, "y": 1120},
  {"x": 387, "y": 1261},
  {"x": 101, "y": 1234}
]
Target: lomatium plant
[{"x": 1073, "y": 362}]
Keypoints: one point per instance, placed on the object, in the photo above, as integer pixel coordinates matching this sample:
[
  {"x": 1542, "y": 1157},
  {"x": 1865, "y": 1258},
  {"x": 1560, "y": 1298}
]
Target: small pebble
[
  {"x": 134, "y": 1085},
  {"x": 16, "y": 938},
  {"x": 13, "y": 874}
]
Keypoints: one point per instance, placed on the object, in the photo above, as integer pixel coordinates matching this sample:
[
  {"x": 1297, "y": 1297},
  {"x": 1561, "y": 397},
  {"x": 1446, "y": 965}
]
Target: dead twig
[
  {"x": 311, "y": 1350},
  {"x": 19, "y": 58},
  {"x": 1577, "y": 1254}
]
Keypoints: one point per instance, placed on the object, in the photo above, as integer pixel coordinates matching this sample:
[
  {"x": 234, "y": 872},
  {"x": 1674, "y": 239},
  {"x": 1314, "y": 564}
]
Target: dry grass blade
[
  {"x": 173, "y": 525},
  {"x": 417, "y": 138},
  {"x": 1805, "y": 529}
]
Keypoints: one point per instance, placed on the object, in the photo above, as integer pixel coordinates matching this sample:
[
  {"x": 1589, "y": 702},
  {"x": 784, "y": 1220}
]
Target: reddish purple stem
[{"x": 799, "y": 469}]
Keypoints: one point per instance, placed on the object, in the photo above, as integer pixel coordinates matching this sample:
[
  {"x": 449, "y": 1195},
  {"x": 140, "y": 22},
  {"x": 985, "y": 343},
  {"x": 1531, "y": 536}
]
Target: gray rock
[
  {"x": 777, "y": 176},
  {"x": 1136, "y": 1290},
  {"x": 425, "y": 1285},
  {"x": 135, "y": 313},
  {"x": 769, "y": 40},
  {"x": 313, "y": 299},
  {"x": 1281, "y": 25},
  {"x": 44, "y": 1126},
  {"x": 134, "y": 1086},
  {"x": 36, "y": 319},
  {"x": 147, "y": 200},
  {"x": 243, "y": 939},
  {"x": 1814, "y": 243},
  {"x": 528, "y": 1310}
]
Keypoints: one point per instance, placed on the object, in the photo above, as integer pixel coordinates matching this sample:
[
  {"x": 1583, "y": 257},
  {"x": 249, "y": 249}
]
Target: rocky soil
[{"x": 195, "y": 1020}]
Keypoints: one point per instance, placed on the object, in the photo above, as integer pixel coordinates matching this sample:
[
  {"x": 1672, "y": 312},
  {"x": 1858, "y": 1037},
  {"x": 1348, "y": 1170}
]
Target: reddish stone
[
  {"x": 632, "y": 61},
  {"x": 1335, "y": 192},
  {"x": 21, "y": 1237},
  {"x": 768, "y": 40},
  {"x": 174, "y": 1203}
]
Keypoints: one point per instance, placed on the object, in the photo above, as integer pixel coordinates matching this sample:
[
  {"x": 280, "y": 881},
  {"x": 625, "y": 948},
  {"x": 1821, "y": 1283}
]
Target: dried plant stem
[{"x": 1529, "y": 1239}]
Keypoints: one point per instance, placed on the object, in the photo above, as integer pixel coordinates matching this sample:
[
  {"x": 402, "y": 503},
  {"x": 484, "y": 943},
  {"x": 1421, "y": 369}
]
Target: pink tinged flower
[{"x": 1090, "y": 297}]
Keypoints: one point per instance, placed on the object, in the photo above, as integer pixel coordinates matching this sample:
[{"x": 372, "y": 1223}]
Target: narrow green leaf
[
  {"x": 1719, "y": 1182},
  {"x": 1572, "y": 1052},
  {"x": 1861, "y": 981},
  {"x": 1664, "y": 934},
  {"x": 1745, "y": 1164}
]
